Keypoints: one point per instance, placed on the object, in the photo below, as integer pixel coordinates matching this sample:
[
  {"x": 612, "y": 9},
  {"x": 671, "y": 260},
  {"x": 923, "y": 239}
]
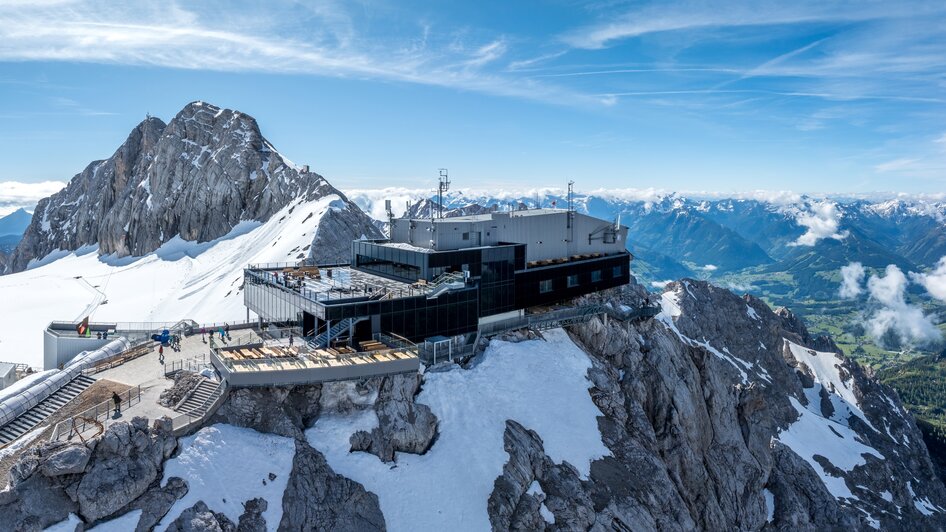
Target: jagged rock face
[
  {"x": 197, "y": 176},
  {"x": 403, "y": 425},
  {"x": 200, "y": 518},
  {"x": 286, "y": 411},
  {"x": 93, "y": 480},
  {"x": 698, "y": 410},
  {"x": 319, "y": 499}
]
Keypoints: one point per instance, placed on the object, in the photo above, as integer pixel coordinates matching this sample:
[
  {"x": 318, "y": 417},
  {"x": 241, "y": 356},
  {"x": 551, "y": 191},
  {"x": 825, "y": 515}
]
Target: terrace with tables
[
  {"x": 328, "y": 283},
  {"x": 275, "y": 362}
]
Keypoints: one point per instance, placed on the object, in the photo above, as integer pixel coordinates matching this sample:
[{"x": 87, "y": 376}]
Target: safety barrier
[{"x": 94, "y": 419}]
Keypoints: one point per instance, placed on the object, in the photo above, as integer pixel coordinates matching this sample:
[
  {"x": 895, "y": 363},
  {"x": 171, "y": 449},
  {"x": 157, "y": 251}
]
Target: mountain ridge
[{"x": 197, "y": 177}]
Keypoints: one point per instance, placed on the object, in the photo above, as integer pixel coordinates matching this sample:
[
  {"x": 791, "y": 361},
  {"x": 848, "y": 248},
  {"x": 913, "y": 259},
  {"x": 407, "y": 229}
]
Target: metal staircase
[
  {"x": 196, "y": 403},
  {"x": 28, "y": 420},
  {"x": 325, "y": 338},
  {"x": 445, "y": 282}
]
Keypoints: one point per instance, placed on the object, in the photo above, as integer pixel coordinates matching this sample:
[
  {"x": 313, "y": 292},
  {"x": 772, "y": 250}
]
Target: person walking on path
[
  {"x": 118, "y": 403},
  {"x": 290, "y": 339},
  {"x": 221, "y": 334},
  {"x": 228, "y": 330},
  {"x": 203, "y": 331}
]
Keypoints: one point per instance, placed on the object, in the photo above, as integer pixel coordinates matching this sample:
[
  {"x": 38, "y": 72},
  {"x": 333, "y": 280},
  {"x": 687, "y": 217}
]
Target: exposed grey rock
[
  {"x": 692, "y": 403},
  {"x": 126, "y": 461},
  {"x": 286, "y": 411},
  {"x": 69, "y": 460},
  {"x": 156, "y": 502},
  {"x": 197, "y": 176},
  {"x": 511, "y": 507},
  {"x": 200, "y": 518},
  {"x": 93, "y": 480},
  {"x": 184, "y": 383},
  {"x": 345, "y": 397},
  {"x": 403, "y": 425},
  {"x": 252, "y": 519},
  {"x": 317, "y": 498},
  {"x": 34, "y": 504}
]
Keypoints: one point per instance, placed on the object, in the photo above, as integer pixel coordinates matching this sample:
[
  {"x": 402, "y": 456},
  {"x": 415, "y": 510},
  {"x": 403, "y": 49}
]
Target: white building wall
[
  {"x": 59, "y": 350},
  {"x": 546, "y": 234}
]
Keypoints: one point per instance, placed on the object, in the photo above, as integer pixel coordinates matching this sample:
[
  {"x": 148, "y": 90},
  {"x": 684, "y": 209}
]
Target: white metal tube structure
[{"x": 14, "y": 406}]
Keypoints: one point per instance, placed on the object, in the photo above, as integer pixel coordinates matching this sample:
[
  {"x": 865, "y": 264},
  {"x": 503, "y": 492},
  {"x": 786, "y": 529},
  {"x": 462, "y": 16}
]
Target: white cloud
[
  {"x": 896, "y": 165},
  {"x": 710, "y": 268},
  {"x": 372, "y": 200},
  {"x": 681, "y": 16},
  {"x": 908, "y": 322},
  {"x": 822, "y": 220},
  {"x": 934, "y": 281},
  {"x": 289, "y": 37},
  {"x": 16, "y": 195},
  {"x": 852, "y": 276}
]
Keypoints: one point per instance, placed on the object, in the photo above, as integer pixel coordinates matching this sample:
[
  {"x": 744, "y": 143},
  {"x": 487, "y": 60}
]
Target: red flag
[{"x": 83, "y": 327}]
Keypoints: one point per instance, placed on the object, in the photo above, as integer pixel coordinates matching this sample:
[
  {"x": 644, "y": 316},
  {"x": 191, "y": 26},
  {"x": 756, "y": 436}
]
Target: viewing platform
[
  {"x": 337, "y": 282},
  {"x": 275, "y": 362}
]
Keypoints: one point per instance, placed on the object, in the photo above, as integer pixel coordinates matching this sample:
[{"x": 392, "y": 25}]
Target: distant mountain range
[{"x": 794, "y": 247}]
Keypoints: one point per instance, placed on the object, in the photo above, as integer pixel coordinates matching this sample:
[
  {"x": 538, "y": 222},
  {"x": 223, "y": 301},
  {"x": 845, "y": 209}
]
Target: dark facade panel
[{"x": 613, "y": 271}]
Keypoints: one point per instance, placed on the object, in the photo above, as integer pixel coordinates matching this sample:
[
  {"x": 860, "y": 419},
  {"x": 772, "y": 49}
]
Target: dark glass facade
[{"x": 498, "y": 282}]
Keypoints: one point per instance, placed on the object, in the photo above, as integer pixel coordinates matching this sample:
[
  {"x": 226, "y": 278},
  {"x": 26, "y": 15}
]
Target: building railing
[
  {"x": 298, "y": 264},
  {"x": 95, "y": 420},
  {"x": 336, "y": 292},
  {"x": 195, "y": 364}
]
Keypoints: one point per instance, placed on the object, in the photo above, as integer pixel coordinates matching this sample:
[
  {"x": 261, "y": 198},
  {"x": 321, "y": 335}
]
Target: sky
[{"x": 814, "y": 97}]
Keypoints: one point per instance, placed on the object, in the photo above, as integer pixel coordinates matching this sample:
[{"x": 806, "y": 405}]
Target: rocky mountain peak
[{"x": 196, "y": 177}]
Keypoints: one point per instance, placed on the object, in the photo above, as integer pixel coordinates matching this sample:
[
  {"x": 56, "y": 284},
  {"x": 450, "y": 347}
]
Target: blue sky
[{"x": 689, "y": 96}]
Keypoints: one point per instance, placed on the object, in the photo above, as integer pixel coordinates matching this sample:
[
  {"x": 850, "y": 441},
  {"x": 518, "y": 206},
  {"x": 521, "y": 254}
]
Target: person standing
[
  {"x": 290, "y": 339},
  {"x": 117, "y": 401}
]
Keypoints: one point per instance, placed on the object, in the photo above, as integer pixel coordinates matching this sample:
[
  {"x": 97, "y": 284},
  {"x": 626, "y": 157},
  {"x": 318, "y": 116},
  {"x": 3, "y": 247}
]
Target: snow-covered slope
[
  {"x": 201, "y": 281},
  {"x": 451, "y": 482}
]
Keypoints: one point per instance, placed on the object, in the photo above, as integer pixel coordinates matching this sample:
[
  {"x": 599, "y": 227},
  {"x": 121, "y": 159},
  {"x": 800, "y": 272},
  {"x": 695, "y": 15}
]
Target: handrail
[
  {"x": 91, "y": 415},
  {"x": 180, "y": 424}
]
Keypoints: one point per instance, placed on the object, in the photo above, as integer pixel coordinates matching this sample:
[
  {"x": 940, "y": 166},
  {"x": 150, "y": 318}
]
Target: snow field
[
  {"x": 181, "y": 279},
  {"x": 225, "y": 466},
  {"x": 540, "y": 384}
]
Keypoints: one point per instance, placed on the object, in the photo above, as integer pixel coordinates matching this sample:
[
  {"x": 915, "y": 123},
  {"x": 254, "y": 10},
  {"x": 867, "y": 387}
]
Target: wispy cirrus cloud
[{"x": 295, "y": 38}]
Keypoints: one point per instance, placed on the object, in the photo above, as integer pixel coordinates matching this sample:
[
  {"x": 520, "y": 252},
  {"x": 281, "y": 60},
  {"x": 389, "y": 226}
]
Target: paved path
[{"x": 148, "y": 372}]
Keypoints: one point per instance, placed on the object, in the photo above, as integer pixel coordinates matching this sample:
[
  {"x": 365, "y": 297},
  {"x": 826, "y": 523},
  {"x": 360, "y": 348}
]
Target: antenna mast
[
  {"x": 390, "y": 213},
  {"x": 443, "y": 187}
]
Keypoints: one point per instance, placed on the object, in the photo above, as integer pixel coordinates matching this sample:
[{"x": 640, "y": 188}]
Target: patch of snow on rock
[
  {"x": 769, "y": 505},
  {"x": 225, "y": 466},
  {"x": 120, "y": 524},
  {"x": 66, "y": 525},
  {"x": 826, "y": 370},
  {"x": 540, "y": 384},
  {"x": 812, "y": 434}
]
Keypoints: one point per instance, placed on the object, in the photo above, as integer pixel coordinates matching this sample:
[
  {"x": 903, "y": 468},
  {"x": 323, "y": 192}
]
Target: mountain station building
[{"x": 444, "y": 277}]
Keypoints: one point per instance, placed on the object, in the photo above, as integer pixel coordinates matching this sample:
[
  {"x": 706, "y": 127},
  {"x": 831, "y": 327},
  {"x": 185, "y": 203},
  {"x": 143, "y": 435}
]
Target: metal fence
[
  {"x": 195, "y": 364},
  {"x": 95, "y": 420}
]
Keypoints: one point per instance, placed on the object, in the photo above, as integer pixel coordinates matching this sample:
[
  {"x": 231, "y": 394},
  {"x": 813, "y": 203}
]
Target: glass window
[
  {"x": 616, "y": 271},
  {"x": 596, "y": 276},
  {"x": 572, "y": 280},
  {"x": 545, "y": 286}
]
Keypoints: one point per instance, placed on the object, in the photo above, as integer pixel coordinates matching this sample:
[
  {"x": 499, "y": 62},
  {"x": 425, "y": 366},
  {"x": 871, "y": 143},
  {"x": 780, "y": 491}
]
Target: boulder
[{"x": 200, "y": 518}]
